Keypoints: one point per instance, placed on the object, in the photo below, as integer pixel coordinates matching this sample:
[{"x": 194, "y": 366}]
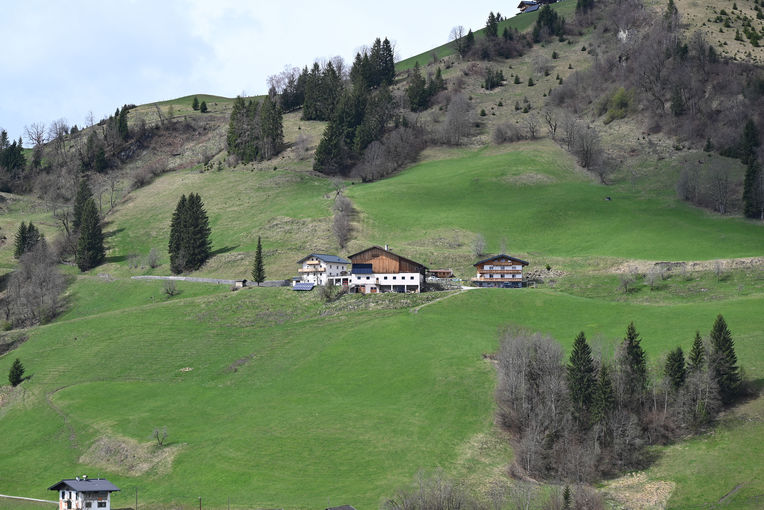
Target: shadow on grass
[
  {"x": 115, "y": 258},
  {"x": 112, "y": 233},
  {"x": 224, "y": 249}
]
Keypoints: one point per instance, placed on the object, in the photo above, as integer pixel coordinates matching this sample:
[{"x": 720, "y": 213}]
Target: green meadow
[{"x": 275, "y": 399}]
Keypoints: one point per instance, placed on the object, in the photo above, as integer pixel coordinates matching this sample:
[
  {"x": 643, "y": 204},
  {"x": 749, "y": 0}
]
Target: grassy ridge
[{"x": 521, "y": 22}]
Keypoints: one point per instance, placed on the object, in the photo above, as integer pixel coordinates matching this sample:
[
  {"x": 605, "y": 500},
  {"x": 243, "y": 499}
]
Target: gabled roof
[
  {"x": 85, "y": 485},
  {"x": 303, "y": 286},
  {"x": 332, "y": 259},
  {"x": 532, "y": 8},
  {"x": 526, "y": 2},
  {"x": 502, "y": 256},
  {"x": 391, "y": 253}
]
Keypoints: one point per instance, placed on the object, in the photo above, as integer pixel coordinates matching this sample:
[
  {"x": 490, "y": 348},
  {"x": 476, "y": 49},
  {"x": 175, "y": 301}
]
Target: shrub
[{"x": 506, "y": 133}]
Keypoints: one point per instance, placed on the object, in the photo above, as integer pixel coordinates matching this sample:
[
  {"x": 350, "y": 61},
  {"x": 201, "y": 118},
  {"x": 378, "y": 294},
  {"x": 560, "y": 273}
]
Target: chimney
[{"x": 387, "y": 248}]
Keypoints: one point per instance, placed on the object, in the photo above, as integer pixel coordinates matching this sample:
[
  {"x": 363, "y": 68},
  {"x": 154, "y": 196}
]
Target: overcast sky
[{"x": 65, "y": 59}]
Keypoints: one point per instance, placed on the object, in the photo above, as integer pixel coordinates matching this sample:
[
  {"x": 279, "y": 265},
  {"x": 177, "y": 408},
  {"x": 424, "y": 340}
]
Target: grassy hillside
[{"x": 290, "y": 403}]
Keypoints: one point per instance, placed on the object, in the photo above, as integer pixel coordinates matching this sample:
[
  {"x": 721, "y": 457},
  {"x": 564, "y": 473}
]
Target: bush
[
  {"x": 506, "y": 133},
  {"x": 169, "y": 288}
]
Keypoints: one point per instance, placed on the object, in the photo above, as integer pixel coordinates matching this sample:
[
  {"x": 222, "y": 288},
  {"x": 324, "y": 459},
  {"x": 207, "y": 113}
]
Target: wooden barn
[
  {"x": 377, "y": 269},
  {"x": 499, "y": 271}
]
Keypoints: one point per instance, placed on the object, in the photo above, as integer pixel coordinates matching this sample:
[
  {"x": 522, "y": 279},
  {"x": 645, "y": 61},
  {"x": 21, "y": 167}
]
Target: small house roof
[
  {"x": 303, "y": 286},
  {"x": 391, "y": 253},
  {"x": 531, "y": 8},
  {"x": 332, "y": 259},
  {"x": 501, "y": 256},
  {"x": 526, "y": 2},
  {"x": 85, "y": 485}
]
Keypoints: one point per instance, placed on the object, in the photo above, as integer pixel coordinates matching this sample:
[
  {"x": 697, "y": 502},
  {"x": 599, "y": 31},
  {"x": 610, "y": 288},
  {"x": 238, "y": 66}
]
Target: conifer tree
[
  {"x": 723, "y": 361},
  {"x": 84, "y": 193},
  {"x": 388, "y": 63},
  {"x": 90, "y": 249},
  {"x": 177, "y": 231},
  {"x": 122, "y": 129},
  {"x": 604, "y": 396},
  {"x": 195, "y": 103},
  {"x": 635, "y": 360},
  {"x": 581, "y": 380},
  {"x": 272, "y": 128},
  {"x": 753, "y": 195},
  {"x": 750, "y": 142},
  {"x": 417, "y": 90},
  {"x": 697, "y": 358},
  {"x": 196, "y": 241},
  {"x": 675, "y": 370},
  {"x": 203, "y": 107},
  {"x": 27, "y": 236},
  {"x": 469, "y": 41},
  {"x": 16, "y": 373},
  {"x": 258, "y": 270},
  {"x": 566, "y": 498}
]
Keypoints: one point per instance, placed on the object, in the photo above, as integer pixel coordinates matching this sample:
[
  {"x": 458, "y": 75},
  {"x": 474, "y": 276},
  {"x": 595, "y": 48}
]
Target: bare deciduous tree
[
  {"x": 588, "y": 146},
  {"x": 36, "y": 134},
  {"x": 478, "y": 246},
  {"x": 531, "y": 122},
  {"x": 457, "y": 36},
  {"x": 160, "y": 434},
  {"x": 458, "y": 119},
  {"x": 551, "y": 123}
]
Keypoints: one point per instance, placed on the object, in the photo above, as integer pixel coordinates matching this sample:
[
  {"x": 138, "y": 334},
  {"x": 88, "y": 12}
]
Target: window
[
  {"x": 385, "y": 277},
  {"x": 88, "y": 504},
  {"x": 368, "y": 277},
  {"x": 395, "y": 277},
  {"x": 412, "y": 277},
  {"x": 102, "y": 504}
]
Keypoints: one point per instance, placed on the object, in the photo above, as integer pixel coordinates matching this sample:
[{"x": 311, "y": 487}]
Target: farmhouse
[
  {"x": 378, "y": 269},
  {"x": 320, "y": 269},
  {"x": 499, "y": 271},
  {"x": 528, "y": 6},
  {"x": 441, "y": 273},
  {"x": 83, "y": 493}
]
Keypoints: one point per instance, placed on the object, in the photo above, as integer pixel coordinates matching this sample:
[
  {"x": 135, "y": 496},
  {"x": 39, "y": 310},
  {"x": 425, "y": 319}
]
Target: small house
[
  {"x": 499, "y": 271},
  {"x": 441, "y": 273},
  {"x": 320, "y": 269},
  {"x": 526, "y": 4},
  {"x": 82, "y": 493},
  {"x": 377, "y": 269}
]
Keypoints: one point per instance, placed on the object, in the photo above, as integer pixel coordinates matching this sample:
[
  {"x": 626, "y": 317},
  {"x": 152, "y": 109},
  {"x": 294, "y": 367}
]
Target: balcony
[{"x": 311, "y": 270}]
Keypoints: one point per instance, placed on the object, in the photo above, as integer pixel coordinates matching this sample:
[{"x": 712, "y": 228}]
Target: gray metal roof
[
  {"x": 85, "y": 485},
  {"x": 503, "y": 256},
  {"x": 303, "y": 286},
  {"x": 332, "y": 259}
]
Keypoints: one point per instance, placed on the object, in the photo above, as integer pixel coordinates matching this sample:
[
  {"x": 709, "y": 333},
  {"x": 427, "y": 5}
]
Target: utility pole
[{"x": 136, "y": 498}]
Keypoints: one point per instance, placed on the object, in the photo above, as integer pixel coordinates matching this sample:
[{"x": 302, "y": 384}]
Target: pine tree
[
  {"x": 388, "y": 63},
  {"x": 122, "y": 129},
  {"x": 469, "y": 41},
  {"x": 753, "y": 195},
  {"x": 84, "y": 193},
  {"x": 27, "y": 237},
  {"x": 723, "y": 361},
  {"x": 203, "y": 107},
  {"x": 581, "y": 380},
  {"x": 195, "y": 103},
  {"x": 16, "y": 373},
  {"x": 21, "y": 241},
  {"x": 196, "y": 243},
  {"x": 566, "y": 498},
  {"x": 635, "y": 359},
  {"x": 90, "y": 249},
  {"x": 258, "y": 270},
  {"x": 604, "y": 396},
  {"x": 417, "y": 90},
  {"x": 177, "y": 231},
  {"x": 491, "y": 26},
  {"x": 675, "y": 370},
  {"x": 697, "y": 358},
  {"x": 272, "y": 128}
]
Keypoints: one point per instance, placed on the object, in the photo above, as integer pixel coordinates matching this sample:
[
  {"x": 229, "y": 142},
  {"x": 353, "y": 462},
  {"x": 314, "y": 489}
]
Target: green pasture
[{"x": 274, "y": 399}]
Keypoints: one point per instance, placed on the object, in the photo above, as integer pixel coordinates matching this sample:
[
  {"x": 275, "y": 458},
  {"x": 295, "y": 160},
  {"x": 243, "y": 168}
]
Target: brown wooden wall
[{"x": 385, "y": 262}]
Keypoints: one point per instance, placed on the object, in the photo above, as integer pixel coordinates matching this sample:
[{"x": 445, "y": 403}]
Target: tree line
[{"x": 593, "y": 417}]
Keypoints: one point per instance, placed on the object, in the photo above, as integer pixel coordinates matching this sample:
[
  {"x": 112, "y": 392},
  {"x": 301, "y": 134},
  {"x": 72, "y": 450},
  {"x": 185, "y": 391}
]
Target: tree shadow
[
  {"x": 115, "y": 258},
  {"x": 224, "y": 249},
  {"x": 112, "y": 233}
]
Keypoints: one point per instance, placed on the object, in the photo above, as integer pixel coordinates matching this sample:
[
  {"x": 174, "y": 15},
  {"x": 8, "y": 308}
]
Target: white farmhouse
[
  {"x": 318, "y": 269},
  {"x": 84, "y": 493}
]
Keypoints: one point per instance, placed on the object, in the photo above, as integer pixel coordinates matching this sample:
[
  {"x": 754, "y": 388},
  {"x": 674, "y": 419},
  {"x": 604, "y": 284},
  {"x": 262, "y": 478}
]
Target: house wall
[
  {"x": 386, "y": 282},
  {"x": 80, "y": 500},
  {"x": 321, "y": 277}
]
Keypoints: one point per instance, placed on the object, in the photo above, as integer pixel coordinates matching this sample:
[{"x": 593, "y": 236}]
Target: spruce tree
[
  {"x": 566, "y": 498},
  {"x": 469, "y": 41},
  {"x": 492, "y": 26},
  {"x": 196, "y": 242},
  {"x": 84, "y": 193},
  {"x": 675, "y": 370},
  {"x": 122, "y": 129},
  {"x": 27, "y": 236},
  {"x": 203, "y": 107},
  {"x": 753, "y": 195},
  {"x": 21, "y": 240},
  {"x": 177, "y": 231},
  {"x": 697, "y": 358},
  {"x": 581, "y": 380},
  {"x": 635, "y": 360},
  {"x": 388, "y": 63},
  {"x": 749, "y": 142},
  {"x": 723, "y": 360},
  {"x": 90, "y": 249},
  {"x": 16, "y": 373},
  {"x": 195, "y": 103},
  {"x": 258, "y": 270},
  {"x": 604, "y": 396},
  {"x": 417, "y": 90}
]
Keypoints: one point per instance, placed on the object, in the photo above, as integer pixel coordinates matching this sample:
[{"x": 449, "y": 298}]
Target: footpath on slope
[{"x": 267, "y": 283}]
